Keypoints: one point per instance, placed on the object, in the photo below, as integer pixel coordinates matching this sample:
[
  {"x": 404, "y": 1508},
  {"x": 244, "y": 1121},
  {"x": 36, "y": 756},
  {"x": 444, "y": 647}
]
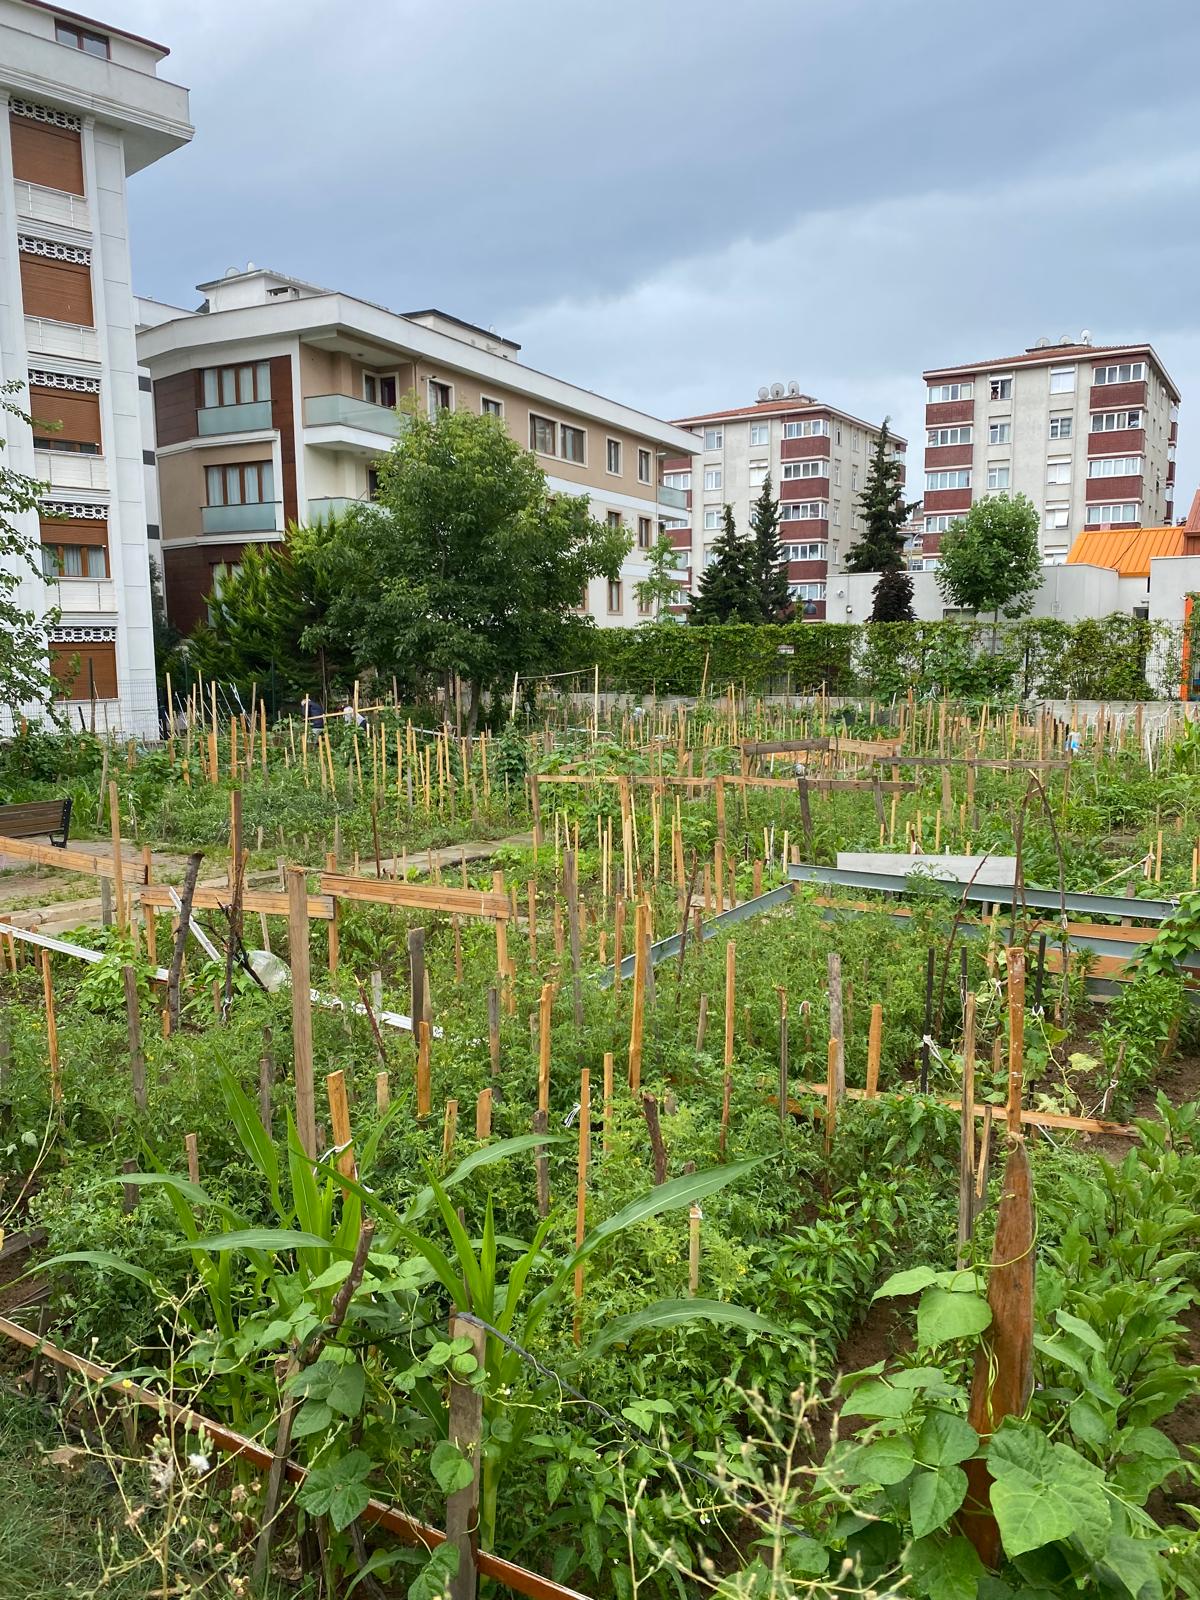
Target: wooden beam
[
  {"x": 418, "y": 896},
  {"x": 48, "y": 855},
  {"x": 269, "y": 901},
  {"x": 1032, "y": 1119}
]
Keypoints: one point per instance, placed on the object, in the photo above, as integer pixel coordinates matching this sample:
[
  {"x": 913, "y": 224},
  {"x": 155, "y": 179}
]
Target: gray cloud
[{"x": 673, "y": 204}]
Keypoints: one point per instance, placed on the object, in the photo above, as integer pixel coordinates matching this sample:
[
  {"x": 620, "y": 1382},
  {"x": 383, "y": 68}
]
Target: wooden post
[
  {"x": 502, "y": 966},
  {"x": 114, "y": 817},
  {"x": 541, "y": 1121},
  {"x": 331, "y": 865},
  {"x": 383, "y": 1093},
  {"x": 608, "y": 1100},
  {"x": 466, "y": 1433},
  {"x": 1016, "y": 1037},
  {"x": 137, "y": 1060},
  {"x": 585, "y": 1147},
  {"x": 966, "y": 1141},
  {"x": 701, "y": 1022},
  {"x": 302, "y": 1040},
  {"x": 727, "y": 1079},
  {"x": 695, "y": 1216},
  {"x": 638, "y": 1019},
  {"x": 339, "y": 1122},
  {"x": 783, "y": 1059},
  {"x": 836, "y": 1020},
  {"x": 192, "y": 1152},
  {"x": 493, "y": 1008},
  {"x": 483, "y": 1115},
  {"x": 831, "y": 1094},
  {"x": 151, "y": 925},
  {"x": 424, "y": 1082},
  {"x": 874, "y": 1050},
  {"x": 545, "y": 1009},
  {"x": 449, "y": 1129},
  {"x": 51, "y": 1030}
]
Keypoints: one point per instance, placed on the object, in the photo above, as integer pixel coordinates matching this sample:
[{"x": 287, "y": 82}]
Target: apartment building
[
  {"x": 817, "y": 458},
  {"x": 81, "y": 109},
  {"x": 1086, "y": 431},
  {"x": 274, "y": 401}
]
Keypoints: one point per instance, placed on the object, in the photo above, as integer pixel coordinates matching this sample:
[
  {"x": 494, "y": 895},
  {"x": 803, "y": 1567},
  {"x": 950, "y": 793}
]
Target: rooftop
[
  {"x": 791, "y": 405},
  {"x": 1049, "y": 354},
  {"x": 1126, "y": 551}
]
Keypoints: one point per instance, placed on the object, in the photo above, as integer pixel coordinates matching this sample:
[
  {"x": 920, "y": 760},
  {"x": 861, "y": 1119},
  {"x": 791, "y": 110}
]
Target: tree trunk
[{"x": 473, "y": 707}]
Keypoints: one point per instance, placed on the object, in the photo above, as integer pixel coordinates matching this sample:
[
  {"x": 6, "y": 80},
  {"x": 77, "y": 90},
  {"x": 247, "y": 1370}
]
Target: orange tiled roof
[{"x": 1128, "y": 551}]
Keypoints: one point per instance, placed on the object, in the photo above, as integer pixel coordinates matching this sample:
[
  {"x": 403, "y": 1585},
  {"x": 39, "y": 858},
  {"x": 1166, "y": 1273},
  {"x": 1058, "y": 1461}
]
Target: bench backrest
[{"x": 35, "y": 818}]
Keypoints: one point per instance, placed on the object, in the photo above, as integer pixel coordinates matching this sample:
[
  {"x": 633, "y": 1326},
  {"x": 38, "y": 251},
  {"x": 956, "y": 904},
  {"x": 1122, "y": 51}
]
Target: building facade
[
  {"x": 1086, "y": 431},
  {"x": 817, "y": 458},
  {"x": 274, "y": 401},
  {"x": 81, "y": 108}
]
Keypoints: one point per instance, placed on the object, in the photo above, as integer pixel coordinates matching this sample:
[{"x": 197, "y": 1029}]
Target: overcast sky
[{"x": 673, "y": 204}]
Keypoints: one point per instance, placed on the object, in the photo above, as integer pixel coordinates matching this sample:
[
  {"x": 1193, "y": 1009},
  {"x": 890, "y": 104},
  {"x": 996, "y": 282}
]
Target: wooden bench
[{"x": 49, "y": 817}]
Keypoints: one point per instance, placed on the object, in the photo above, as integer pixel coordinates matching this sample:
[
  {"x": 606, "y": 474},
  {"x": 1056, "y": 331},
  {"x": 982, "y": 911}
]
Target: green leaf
[
  {"x": 314, "y": 1416},
  {"x": 949, "y": 1570},
  {"x": 934, "y": 1497},
  {"x": 253, "y": 1137},
  {"x": 273, "y": 1240},
  {"x": 945, "y": 1439},
  {"x": 98, "y": 1258},
  {"x": 339, "y": 1490},
  {"x": 885, "y": 1461},
  {"x": 878, "y": 1399},
  {"x": 487, "y": 1156},
  {"x": 911, "y": 1281},
  {"x": 556, "y": 1477},
  {"x": 332, "y": 1276},
  {"x": 1044, "y": 1492},
  {"x": 382, "y": 1561},
  {"x": 945, "y": 1314},
  {"x": 348, "y": 1389},
  {"x": 433, "y": 1580},
  {"x": 677, "y": 1313},
  {"x": 451, "y": 1469}
]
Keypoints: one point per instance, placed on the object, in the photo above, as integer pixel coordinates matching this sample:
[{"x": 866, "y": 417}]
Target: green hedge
[{"x": 1112, "y": 658}]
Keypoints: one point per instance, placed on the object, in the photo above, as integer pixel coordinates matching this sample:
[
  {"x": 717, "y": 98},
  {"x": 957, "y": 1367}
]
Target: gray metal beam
[
  {"x": 1093, "y": 905},
  {"x": 664, "y": 949}
]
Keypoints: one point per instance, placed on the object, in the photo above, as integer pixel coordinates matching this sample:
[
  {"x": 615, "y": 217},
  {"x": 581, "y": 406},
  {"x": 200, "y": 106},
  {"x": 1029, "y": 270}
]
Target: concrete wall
[{"x": 1069, "y": 593}]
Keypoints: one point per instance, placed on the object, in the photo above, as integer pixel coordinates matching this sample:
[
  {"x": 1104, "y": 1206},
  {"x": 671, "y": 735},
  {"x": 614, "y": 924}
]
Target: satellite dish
[
  {"x": 1042, "y": 344},
  {"x": 1086, "y": 336},
  {"x": 1066, "y": 339},
  {"x": 793, "y": 387},
  {"x": 764, "y": 393},
  {"x": 776, "y": 391}
]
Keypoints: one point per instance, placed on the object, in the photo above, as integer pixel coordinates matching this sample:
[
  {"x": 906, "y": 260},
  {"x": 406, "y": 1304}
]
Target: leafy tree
[
  {"x": 880, "y": 547},
  {"x": 728, "y": 589},
  {"x": 25, "y": 678},
  {"x": 893, "y": 597},
  {"x": 990, "y": 559},
  {"x": 660, "y": 590},
  {"x": 770, "y": 572},
  {"x": 466, "y": 564}
]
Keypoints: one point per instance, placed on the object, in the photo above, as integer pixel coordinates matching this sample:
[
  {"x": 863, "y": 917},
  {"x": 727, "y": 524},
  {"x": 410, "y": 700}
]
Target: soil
[
  {"x": 884, "y": 1332},
  {"x": 1182, "y": 1427}
]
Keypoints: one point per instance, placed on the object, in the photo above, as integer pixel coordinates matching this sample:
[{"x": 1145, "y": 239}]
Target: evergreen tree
[
  {"x": 770, "y": 571},
  {"x": 660, "y": 589},
  {"x": 893, "y": 597},
  {"x": 880, "y": 547},
  {"x": 728, "y": 591}
]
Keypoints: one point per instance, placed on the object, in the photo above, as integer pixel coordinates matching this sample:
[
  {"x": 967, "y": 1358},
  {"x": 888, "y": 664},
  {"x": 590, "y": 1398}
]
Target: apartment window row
[
  {"x": 814, "y": 551},
  {"x": 246, "y": 483},
  {"x": 939, "y": 521},
  {"x": 1126, "y": 511},
  {"x": 66, "y": 412},
  {"x": 1115, "y": 467},
  {"x": 809, "y": 428},
  {"x": 73, "y": 561},
  {"x": 1116, "y": 421},
  {"x": 818, "y": 467},
  {"x": 568, "y": 442},
  {"x": 1120, "y": 372},
  {"x": 938, "y": 393},
  {"x": 937, "y": 437},
  {"x": 236, "y": 386},
  {"x": 807, "y": 591},
  {"x": 949, "y": 478},
  {"x": 804, "y": 511},
  {"x": 671, "y": 480},
  {"x": 1057, "y": 516},
  {"x": 85, "y": 39}
]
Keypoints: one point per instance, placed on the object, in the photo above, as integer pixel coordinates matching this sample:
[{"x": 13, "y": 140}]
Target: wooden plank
[
  {"x": 48, "y": 855},
  {"x": 1031, "y": 1119},
  {"x": 270, "y": 902},
  {"x": 417, "y": 896},
  {"x": 781, "y": 747}
]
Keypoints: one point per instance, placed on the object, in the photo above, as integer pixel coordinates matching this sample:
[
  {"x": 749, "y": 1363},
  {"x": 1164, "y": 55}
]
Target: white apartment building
[
  {"x": 274, "y": 400},
  {"x": 81, "y": 108},
  {"x": 817, "y": 458},
  {"x": 1086, "y": 431}
]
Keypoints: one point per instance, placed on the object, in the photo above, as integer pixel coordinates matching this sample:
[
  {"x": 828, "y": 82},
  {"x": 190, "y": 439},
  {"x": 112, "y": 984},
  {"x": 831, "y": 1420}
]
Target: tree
[
  {"x": 660, "y": 590},
  {"x": 990, "y": 559},
  {"x": 728, "y": 591},
  {"x": 770, "y": 572},
  {"x": 893, "y": 597},
  {"x": 25, "y": 677},
  {"x": 880, "y": 547},
  {"x": 466, "y": 564}
]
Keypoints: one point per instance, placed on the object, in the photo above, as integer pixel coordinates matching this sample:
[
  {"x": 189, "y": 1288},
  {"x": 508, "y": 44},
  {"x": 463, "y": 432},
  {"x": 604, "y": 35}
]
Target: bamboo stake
[
  {"x": 545, "y": 1005},
  {"x": 383, "y": 1093},
  {"x": 114, "y": 817},
  {"x": 302, "y": 1040},
  {"x": 966, "y": 1148},
  {"x": 191, "y": 1149},
  {"x": 51, "y": 1030},
  {"x": 608, "y": 1100},
  {"x": 638, "y": 1019},
  {"x": 831, "y": 1094},
  {"x": 449, "y": 1129},
  {"x": 585, "y": 1144},
  {"x": 727, "y": 1079},
  {"x": 695, "y": 1216}
]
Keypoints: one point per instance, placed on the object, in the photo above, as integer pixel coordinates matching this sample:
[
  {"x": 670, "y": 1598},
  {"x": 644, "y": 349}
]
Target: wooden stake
[
  {"x": 638, "y": 1019},
  {"x": 383, "y": 1093},
  {"x": 874, "y": 1050},
  {"x": 1016, "y": 1036},
  {"x": 831, "y": 1093},
  {"x": 137, "y": 1060},
  {"x": 836, "y": 1020},
  {"x": 608, "y": 1100},
  {"x": 483, "y": 1115},
  {"x": 493, "y": 1009},
  {"x": 339, "y": 1122},
  {"x": 302, "y": 1040},
  {"x": 51, "y": 1030},
  {"x": 466, "y": 1433},
  {"x": 114, "y": 817},
  {"x": 966, "y": 1143},
  {"x": 424, "y": 1084},
  {"x": 585, "y": 1146},
  {"x": 449, "y": 1129},
  {"x": 695, "y": 1216}
]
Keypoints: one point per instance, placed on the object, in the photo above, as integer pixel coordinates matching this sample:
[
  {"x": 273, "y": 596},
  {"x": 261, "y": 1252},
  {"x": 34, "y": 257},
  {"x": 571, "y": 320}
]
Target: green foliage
[
  {"x": 728, "y": 590},
  {"x": 768, "y": 566},
  {"x": 990, "y": 560},
  {"x": 25, "y": 679},
  {"x": 893, "y": 594},
  {"x": 659, "y": 590},
  {"x": 880, "y": 545}
]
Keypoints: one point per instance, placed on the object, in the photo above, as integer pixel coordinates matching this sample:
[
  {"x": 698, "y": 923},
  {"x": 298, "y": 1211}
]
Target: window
[
  {"x": 712, "y": 519},
  {"x": 803, "y": 511},
  {"x": 237, "y": 386},
  {"x": 542, "y": 435},
  {"x": 758, "y": 474},
  {"x": 854, "y": 479},
  {"x": 380, "y": 389},
  {"x": 489, "y": 407},
  {"x": 92, "y": 44},
  {"x": 712, "y": 478},
  {"x": 612, "y": 460},
  {"x": 818, "y": 468},
  {"x": 440, "y": 397},
  {"x": 810, "y": 428},
  {"x": 999, "y": 432},
  {"x": 644, "y": 605},
  {"x": 1057, "y": 516},
  {"x": 248, "y": 483},
  {"x": 671, "y": 480},
  {"x": 854, "y": 438},
  {"x": 1060, "y": 425},
  {"x": 644, "y": 462},
  {"x": 936, "y": 437},
  {"x": 1000, "y": 387},
  {"x": 939, "y": 523},
  {"x": 1062, "y": 380},
  {"x": 372, "y": 483},
  {"x": 572, "y": 443},
  {"x": 837, "y": 474},
  {"x": 805, "y": 552},
  {"x": 615, "y": 520},
  {"x": 1058, "y": 471},
  {"x": 1128, "y": 511},
  {"x": 614, "y": 594},
  {"x": 807, "y": 591},
  {"x": 714, "y": 438},
  {"x": 837, "y": 431},
  {"x": 1121, "y": 372},
  {"x": 74, "y": 561},
  {"x": 66, "y": 413},
  {"x": 1054, "y": 555},
  {"x": 760, "y": 433},
  {"x": 1115, "y": 467},
  {"x": 837, "y": 514},
  {"x": 1115, "y": 421},
  {"x": 938, "y": 393},
  {"x": 955, "y": 478},
  {"x": 645, "y": 538},
  {"x": 999, "y": 477}
]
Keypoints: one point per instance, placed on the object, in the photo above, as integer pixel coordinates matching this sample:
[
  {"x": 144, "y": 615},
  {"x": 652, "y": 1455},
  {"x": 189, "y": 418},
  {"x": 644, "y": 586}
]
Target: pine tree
[
  {"x": 893, "y": 597},
  {"x": 770, "y": 572},
  {"x": 728, "y": 592},
  {"x": 880, "y": 547}
]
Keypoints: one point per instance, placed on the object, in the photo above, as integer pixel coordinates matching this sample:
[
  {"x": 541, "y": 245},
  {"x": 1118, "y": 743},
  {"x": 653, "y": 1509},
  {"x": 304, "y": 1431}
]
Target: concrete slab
[{"x": 956, "y": 869}]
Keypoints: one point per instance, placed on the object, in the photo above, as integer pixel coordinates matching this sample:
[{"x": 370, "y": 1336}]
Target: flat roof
[
  {"x": 93, "y": 22},
  {"x": 1049, "y": 355},
  {"x": 797, "y": 403}
]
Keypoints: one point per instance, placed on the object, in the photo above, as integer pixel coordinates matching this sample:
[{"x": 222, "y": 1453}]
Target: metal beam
[
  {"x": 664, "y": 949},
  {"x": 1091, "y": 905}
]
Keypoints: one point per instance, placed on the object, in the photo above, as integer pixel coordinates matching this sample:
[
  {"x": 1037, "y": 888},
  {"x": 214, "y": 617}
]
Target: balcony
[
  {"x": 252, "y": 417},
  {"x": 257, "y": 516},
  {"x": 52, "y": 205},
  {"x": 45, "y": 337},
  {"x": 79, "y": 597},
  {"x": 67, "y": 469},
  {"x": 342, "y": 422},
  {"x": 676, "y": 499},
  {"x": 333, "y": 505}
]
